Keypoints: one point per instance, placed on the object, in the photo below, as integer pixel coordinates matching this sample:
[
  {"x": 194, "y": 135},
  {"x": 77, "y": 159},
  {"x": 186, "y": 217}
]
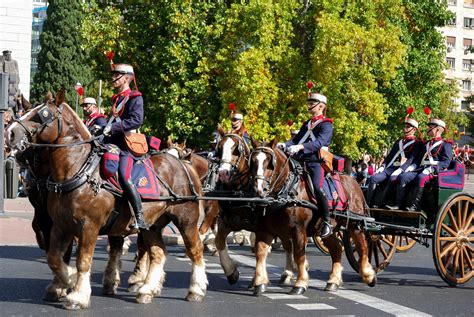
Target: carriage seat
[{"x": 453, "y": 177}]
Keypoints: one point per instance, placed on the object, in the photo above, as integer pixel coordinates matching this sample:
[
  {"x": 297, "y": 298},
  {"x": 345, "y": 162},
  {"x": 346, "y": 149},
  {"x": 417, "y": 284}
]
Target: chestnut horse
[
  {"x": 56, "y": 126},
  {"x": 233, "y": 153},
  {"x": 270, "y": 175}
]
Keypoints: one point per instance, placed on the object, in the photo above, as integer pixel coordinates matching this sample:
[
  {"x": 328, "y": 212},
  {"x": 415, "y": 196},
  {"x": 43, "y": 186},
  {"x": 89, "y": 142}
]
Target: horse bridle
[
  {"x": 241, "y": 147},
  {"x": 270, "y": 182},
  {"x": 46, "y": 117}
]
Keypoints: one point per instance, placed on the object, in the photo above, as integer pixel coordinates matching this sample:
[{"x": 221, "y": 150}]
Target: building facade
[
  {"x": 15, "y": 35},
  {"x": 39, "y": 16}
]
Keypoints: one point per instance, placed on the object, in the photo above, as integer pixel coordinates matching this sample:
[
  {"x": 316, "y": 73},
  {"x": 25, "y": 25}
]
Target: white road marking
[
  {"x": 283, "y": 296},
  {"x": 215, "y": 271},
  {"x": 212, "y": 265},
  {"x": 374, "y": 302},
  {"x": 312, "y": 306}
]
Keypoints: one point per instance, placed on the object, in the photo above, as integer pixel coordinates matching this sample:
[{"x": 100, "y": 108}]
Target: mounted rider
[
  {"x": 94, "y": 120},
  {"x": 126, "y": 116},
  {"x": 437, "y": 156},
  {"x": 399, "y": 159},
  {"x": 315, "y": 134},
  {"x": 238, "y": 127}
]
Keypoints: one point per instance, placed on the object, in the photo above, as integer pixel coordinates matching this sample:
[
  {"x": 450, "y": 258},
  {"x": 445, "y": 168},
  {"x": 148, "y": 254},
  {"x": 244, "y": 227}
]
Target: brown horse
[
  {"x": 270, "y": 174},
  {"x": 233, "y": 153},
  {"x": 57, "y": 126}
]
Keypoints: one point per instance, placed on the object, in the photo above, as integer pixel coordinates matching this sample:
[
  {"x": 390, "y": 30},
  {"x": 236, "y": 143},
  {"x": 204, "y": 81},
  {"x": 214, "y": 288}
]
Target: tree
[{"x": 62, "y": 60}]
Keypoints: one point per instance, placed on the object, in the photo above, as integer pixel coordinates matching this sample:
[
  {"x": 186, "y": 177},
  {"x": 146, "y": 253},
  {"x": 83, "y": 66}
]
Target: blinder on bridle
[
  {"x": 241, "y": 146},
  {"x": 271, "y": 165},
  {"x": 46, "y": 116}
]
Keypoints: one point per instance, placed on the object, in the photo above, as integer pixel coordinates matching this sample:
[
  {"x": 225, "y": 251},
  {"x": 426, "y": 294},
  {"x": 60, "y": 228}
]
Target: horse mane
[{"x": 79, "y": 124}]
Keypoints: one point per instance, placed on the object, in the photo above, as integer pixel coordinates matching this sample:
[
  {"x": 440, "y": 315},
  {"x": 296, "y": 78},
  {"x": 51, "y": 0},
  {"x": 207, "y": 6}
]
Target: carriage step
[{"x": 398, "y": 213}]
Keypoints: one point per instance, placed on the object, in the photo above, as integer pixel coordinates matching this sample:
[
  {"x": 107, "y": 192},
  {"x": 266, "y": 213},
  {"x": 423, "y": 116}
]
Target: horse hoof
[
  {"x": 144, "y": 298},
  {"x": 331, "y": 287},
  {"x": 74, "y": 306},
  {"x": 250, "y": 286},
  {"x": 133, "y": 288},
  {"x": 297, "y": 290},
  {"x": 259, "y": 289},
  {"x": 284, "y": 280},
  {"x": 234, "y": 277},
  {"x": 374, "y": 281},
  {"x": 109, "y": 290},
  {"x": 192, "y": 297}
]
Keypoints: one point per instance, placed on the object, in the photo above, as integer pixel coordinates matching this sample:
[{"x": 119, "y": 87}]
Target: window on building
[
  {"x": 466, "y": 64},
  {"x": 452, "y": 22},
  {"x": 466, "y": 45},
  {"x": 466, "y": 85},
  {"x": 451, "y": 62},
  {"x": 464, "y": 105},
  {"x": 469, "y": 3},
  {"x": 452, "y": 2},
  {"x": 450, "y": 43},
  {"x": 469, "y": 23}
]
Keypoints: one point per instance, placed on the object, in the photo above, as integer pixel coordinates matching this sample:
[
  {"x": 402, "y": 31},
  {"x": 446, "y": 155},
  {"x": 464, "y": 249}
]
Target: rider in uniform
[
  {"x": 437, "y": 156},
  {"x": 314, "y": 134},
  {"x": 94, "y": 120},
  {"x": 127, "y": 112},
  {"x": 399, "y": 159},
  {"x": 238, "y": 127}
]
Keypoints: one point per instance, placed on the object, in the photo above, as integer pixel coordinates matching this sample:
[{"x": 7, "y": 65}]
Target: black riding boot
[
  {"x": 326, "y": 229},
  {"x": 370, "y": 194},
  {"x": 399, "y": 198},
  {"x": 416, "y": 205},
  {"x": 136, "y": 202}
]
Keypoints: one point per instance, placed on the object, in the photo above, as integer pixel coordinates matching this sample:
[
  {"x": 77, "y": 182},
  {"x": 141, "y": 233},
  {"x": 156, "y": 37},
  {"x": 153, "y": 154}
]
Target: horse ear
[
  {"x": 273, "y": 143},
  {"x": 25, "y": 103},
  {"x": 60, "y": 96},
  {"x": 48, "y": 96},
  {"x": 255, "y": 144},
  {"x": 183, "y": 144},
  {"x": 169, "y": 142},
  {"x": 220, "y": 130}
]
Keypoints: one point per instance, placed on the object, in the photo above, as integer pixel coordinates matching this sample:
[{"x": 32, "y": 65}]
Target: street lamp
[{"x": 79, "y": 90}]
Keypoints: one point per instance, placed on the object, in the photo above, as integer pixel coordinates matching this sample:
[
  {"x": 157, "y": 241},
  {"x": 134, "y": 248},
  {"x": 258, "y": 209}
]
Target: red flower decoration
[
  {"x": 410, "y": 110},
  {"x": 232, "y": 106},
  {"x": 310, "y": 85},
  {"x": 110, "y": 55},
  {"x": 80, "y": 91},
  {"x": 427, "y": 110},
  {"x": 290, "y": 123}
]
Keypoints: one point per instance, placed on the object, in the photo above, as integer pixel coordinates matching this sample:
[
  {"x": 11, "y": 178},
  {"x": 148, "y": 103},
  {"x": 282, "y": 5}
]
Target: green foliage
[
  {"x": 372, "y": 59},
  {"x": 61, "y": 61}
]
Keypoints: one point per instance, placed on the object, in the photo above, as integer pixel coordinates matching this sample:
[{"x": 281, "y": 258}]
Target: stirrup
[{"x": 326, "y": 230}]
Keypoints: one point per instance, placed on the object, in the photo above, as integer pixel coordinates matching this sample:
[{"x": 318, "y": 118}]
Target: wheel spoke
[
  {"x": 382, "y": 250},
  {"x": 376, "y": 254},
  {"x": 452, "y": 220},
  {"x": 447, "y": 238},
  {"x": 468, "y": 223},
  {"x": 465, "y": 215},
  {"x": 468, "y": 259},
  {"x": 449, "y": 230},
  {"x": 459, "y": 222},
  {"x": 454, "y": 267},
  {"x": 461, "y": 262},
  {"x": 448, "y": 247}
]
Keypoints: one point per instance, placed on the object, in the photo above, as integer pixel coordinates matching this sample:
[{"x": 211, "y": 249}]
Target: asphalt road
[{"x": 410, "y": 286}]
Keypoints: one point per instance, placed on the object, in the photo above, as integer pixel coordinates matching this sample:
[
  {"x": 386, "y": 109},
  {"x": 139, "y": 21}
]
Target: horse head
[
  {"x": 53, "y": 121},
  {"x": 232, "y": 152},
  {"x": 178, "y": 150},
  {"x": 268, "y": 168}
]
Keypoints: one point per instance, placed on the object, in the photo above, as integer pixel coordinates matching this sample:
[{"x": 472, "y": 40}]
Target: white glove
[
  {"x": 210, "y": 155},
  {"x": 108, "y": 130},
  {"x": 426, "y": 171},
  {"x": 281, "y": 146},
  {"x": 380, "y": 169},
  {"x": 410, "y": 168},
  {"x": 292, "y": 150},
  {"x": 397, "y": 172}
]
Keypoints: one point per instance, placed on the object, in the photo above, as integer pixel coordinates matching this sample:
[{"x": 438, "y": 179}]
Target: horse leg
[
  {"x": 366, "y": 270},
  {"x": 64, "y": 275},
  {"x": 299, "y": 240},
  {"x": 260, "y": 281},
  {"x": 229, "y": 267},
  {"x": 136, "y": 280},
  {"x": 80, "y": 296},
  {"x": 155, "y": 275},
  {"x": 195, "y": 252},
  {"x": 335, "y": 250},
  {"x": 211, "y": 211},
  {"x": 111, "y": 279},
  {"x": 286, "y": 276}
]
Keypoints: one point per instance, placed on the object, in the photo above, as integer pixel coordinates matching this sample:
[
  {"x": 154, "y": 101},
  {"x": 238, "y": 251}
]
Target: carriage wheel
[
  {"x": 318, "y": 242},
  {"x": 453, "y": 239},
  {"x": 381, "y": 250},
  {"x": 404, "y": 243}
]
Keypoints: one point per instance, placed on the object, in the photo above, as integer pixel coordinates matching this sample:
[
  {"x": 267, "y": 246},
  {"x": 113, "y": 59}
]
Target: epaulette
[
  {"x": 327, "y": 120},
  {"x": 449, "y": 141}
]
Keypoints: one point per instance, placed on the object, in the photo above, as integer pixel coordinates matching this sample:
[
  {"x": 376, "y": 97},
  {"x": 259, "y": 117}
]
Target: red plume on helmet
[
  {"x": 310, "y": 85},
  {"x": 427, "y": 111},
  {"x": 290, "y": 123}
]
